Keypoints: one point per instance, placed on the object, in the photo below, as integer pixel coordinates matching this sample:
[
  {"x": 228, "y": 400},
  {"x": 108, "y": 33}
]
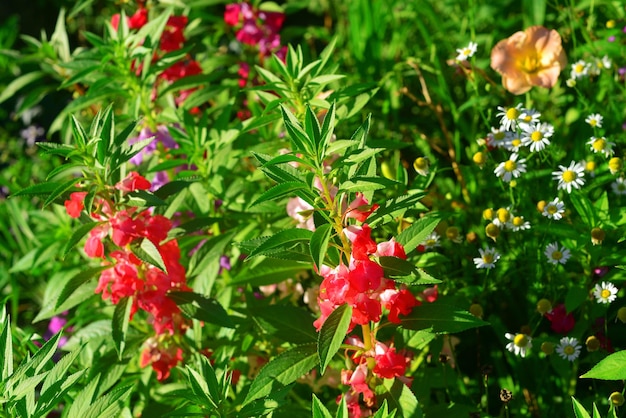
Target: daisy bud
[
  {"x": 590, "y": 166},
  {"x": 615, "y": 165},
  {"x": 597, "y": 236},
  {"x": 610, "y": 24},
  {"x": 621, "y": 314},
  {"x": 387, "y": 171},
  {"x": 471, "y": 237},
  {"x": 488, "y": 214},
  {"x": 492, "y": 231},
  {"x": 503, "y": 215},
  {"x": 547, "y": 348},
  {"x": 421, "y": 166},
  {"x": 592, "y": 343},
  {"x": 452, "y": 233},
  {"x": 616, "y": 399},
  {"x": 476, "y": 310},
  {"x": 544, "y": 306},
  {"x": 479, "y": 158},
  {"x": 541, "y": 205}
]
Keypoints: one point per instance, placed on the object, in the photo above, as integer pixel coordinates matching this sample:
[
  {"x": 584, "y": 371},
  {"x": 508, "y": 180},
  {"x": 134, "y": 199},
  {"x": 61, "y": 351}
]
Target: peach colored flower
[{"x": 530, "y": 58}]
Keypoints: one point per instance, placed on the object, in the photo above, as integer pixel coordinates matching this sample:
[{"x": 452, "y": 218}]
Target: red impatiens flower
[
  {"x": 75, "y": 205},
  {"x": 389, "y": 364},
  {"x": 359, "y": 208},
  {"x": 398, "y": 302},
  {"x": 161, "y": 355},
  {"x": 173, "y": 38},
  {"x": 136, "y": 21},
  {"x": 133, "y": 181},
  {"x": 561, "y": 321}
]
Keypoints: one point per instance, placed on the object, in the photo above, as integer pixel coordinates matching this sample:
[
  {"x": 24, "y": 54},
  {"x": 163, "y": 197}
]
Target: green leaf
[
  {"x": 202, "y": 308},
  {"x": 585, "y": 209},
  {"x": 301, "y": 142},
  {"x": 332, "y": 334},
  {"x": 148, "y": 252},
  {"x": 283, "y": 370},
  {"x": 6, "y": 345},
  {"x": 75, "y": 282},
  {"x": 411, "y": 237},
  {"x": 20, "y": 82},
  {"x": 269, "y": 271},
  {"x": 143, "y": 198},
  {"x": 282, "y": 239},
  {"x": 200, "y": 388},
  {"x": 318, "y": 409},
  {"x": 38, "y": 189},
  {"x": 579, "y": 409},
  {"x": 119, "y": 326},
  {"x": 107, "y": 135},
  {"x": 278, "y": 191},
  {"x": 319, "y": 244},
  {"x": 76, "y": 236},
  {"x": 312, "y": 127},
  {"x": 84, "y": 399},
  {"x": 612, "y": 367},
  {"x": 364, "y": 184},
  {"x": 393, "y": 208},
  {"x": 288, "y": 323},
  {"x": 442, "y": 318},
  {"x": 62, "y": 188},
  {"x": 396, "y": 267},
  {"x": 79, "y": 133},
  {"x": 575, "y": 297},
  {"x": 400, "y": 397},
  {"x": 111, "y": 404}
]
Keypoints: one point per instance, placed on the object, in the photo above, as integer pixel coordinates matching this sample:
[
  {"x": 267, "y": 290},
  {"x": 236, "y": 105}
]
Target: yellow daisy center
[
  {"x": 520, "y": 340},
  {"x": 557, "y": 255},
  {"x": 430, "y": 242},
  {"x": 503, "y": 214},
  {"x": 599, "y": 144},
  {"x": 487, "y": 258},
  {"x": 590, "y": 166},
  {"x": 605, "y": 293},
  {"x": 579, "y": 68},
  {"x": 518, "y": 221},
  {"x": 510, "y": 166},
  {"x": 552, "y": 209},
  {"x": 593, "y": 122},
  {"x": 499, "y": 136},
  {"x": 536, "y": 136},
  {"x": 512, "y": 113},
  {"x": 516, "y": 142},
  {"x": 568, "y": 176},
  {"x": 569, "y": 350}
]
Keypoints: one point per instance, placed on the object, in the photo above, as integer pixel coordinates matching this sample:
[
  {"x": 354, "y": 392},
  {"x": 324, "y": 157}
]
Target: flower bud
[
  {"x": 616, "y": 399},
  {"x": 387, "y": 171},
  {"x": 476, "y": 310},
  {"x": 547, "y": 348},
  {"x": 488, "y": 214},
  {"x": 544, "y": 306},
  {"x": 503, "y": 215},
  {"x": 541, "y": 205},
  {"x": 592, "y": 343},
  {"x": 471, "y": 237},
  {"x": 597, "y": 236},
  {"x": 492, "y": 231},
  {"x": 421, "y": 166},
  {"x": 621, "y": 314},
  {"x": 479, "y": 158},
  {"x": 615, "y": 165}
]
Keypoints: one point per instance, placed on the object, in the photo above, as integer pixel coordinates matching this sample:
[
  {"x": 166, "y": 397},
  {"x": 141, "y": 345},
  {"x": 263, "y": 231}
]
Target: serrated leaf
[
  {"x": 18, "y": 83},
  {"x": 396, "y": 267},
  {"x": 119, "y": 324},
  {"x": 301, "y": 141},
  {"x": 202, "y": 308},
  {"x": 364, "y": 184},
  {"x": 76, "y": 236},
  {"x": 200, "y": 388},
  {"x": 107, "y": 135},
  {"x": 283, "y": 370},
  {"x": 612, "y": 367},
  {"x": 319, "y": 244},
  {"x": 75, "y": 282},
  {"x": 143, "y": 198},
  {"x": 442, "y": 318},
  {"x": 84, "y": 399},
  {"x": 399, "y": 397},
  {"x": 332, "y": 334},
  {"x": 282, "y": 239},
  {"x": 278, "y": 191},
  {"x": 38, "y": 189},
  {"x": 579, "y": 409},
  {"x": 6, "y": 346},
  {"x": 288, "y": 323},
  {"x": 318, "y": 409},
  {"x": 269, "y": 271},
  {"x": 411, "y": 237},
  {"x": 80, "y": 136},
  {"x": 109, "y": 405},
  {"x": 62, "y": 188},
  {"x": 149, "y": 253}
]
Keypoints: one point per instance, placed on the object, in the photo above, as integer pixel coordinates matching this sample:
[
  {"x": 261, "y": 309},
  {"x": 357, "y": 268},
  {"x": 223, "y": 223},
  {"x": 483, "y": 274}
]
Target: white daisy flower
[
  {"x": 568, "y": 177},
  {"x": 498, "y": 138},
  {"x": 509, "y": 116},
  {"x": 519, "y": 224},
  {"x": 594, "y": 120},
  {"x": 515, "y": 142},
  {"x": 605, "y": 292},
  {"x": 606, "y": 62},
  {"x": 431, "y": 241},
  {"x": 487, "y": 259},
  {"x": 536, "y": 136},
  {"x": 520, "y": 344},
  {"x": 510, "y": 168},
  {"x": 579, "y": 69},
  {"x": 601, "y": 145},
  {"x": 528, "y": 117},
  {"x": 557, "y": 255},
  {"x": 554, "y": 210},
  {"x": 466, "y": 52},
  {"x": 619, "y": 186},
  {"x": 568, "y": 348}
]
